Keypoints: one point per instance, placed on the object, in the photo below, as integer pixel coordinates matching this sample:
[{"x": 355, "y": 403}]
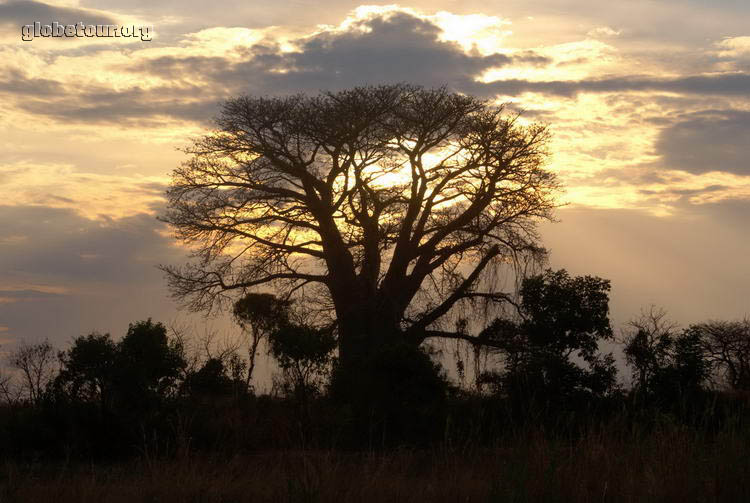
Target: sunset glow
[{"x": 650, "y": 122}]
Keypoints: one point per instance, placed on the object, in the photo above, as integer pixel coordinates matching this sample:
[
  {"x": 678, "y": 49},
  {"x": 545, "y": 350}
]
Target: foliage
[
  {"x": 139, "y": 396},
  {"x": 304, "y": 353},
  {"x": 560, "y": 318},
  {"x": 88, "y": 368},
  {"x": 144, "y": 366},
  {"x": 259, "y": 315},
  {"x": 148, "y": 364},
  {"x": 210, "y": 380},
  {"x": 726, "y": 346},
  {"x": 648, "y": 343},
  {"x": 383, "y": 207},
  {"x": 261, "y": 311},
  {"x": 35, "y": 363},
  {"x": 566, "y": 314},
  {"x": 667, "y": 364}
]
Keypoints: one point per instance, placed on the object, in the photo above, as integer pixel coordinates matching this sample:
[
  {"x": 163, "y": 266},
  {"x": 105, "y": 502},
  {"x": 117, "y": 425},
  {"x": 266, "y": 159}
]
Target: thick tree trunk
[{"x": 363, "y": 332}]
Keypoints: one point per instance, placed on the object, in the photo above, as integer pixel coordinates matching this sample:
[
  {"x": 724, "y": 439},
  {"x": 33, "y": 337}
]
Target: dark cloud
[
  {"x": 25, "y": 12},
  {"x": 154, "y": 188},
  {"x": 60, "y": 199},
  {"x": 396, "y": 48},
  {"x": 729, "y": 84},
  {"x": 71, "y": 275},
  {"x": 64, "y": 275},
  {"x": 59, "y": 246},
  {"x": 131, "y": 107},
  {"x": 734, "y": 213},
  {"x": 684, "y": 192},
  {"x": 400, "y": 47},
  {"x": 634, "y": 175},
  {"x": 16, "y": 83},
  {"x": 712, "y": 140},
  {"x": 11, "y": 296}
]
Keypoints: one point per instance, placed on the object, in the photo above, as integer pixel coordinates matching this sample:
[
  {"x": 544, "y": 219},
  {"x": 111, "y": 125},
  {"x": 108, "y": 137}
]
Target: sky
[{"x": 648, "y": 103}]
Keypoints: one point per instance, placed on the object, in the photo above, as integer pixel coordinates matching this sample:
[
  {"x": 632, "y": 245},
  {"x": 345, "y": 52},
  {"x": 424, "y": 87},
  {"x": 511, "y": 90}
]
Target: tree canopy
[
  {"x": 385, "y": 206},
  {"x": 559, "y": 318}
]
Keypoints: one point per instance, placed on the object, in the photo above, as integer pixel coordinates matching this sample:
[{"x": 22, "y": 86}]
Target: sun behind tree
[{"x": 387, "y": 206}]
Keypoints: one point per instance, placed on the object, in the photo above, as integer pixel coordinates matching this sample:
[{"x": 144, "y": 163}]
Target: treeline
[{"x": 145, "y": 393}]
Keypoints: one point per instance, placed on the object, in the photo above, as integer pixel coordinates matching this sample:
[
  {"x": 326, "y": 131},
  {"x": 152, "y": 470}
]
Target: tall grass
[{"x": 608, "y": 462}]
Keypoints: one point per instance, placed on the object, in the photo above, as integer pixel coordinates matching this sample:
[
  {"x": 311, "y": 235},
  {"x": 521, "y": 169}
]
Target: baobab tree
[{"x": 388, "y": 205}]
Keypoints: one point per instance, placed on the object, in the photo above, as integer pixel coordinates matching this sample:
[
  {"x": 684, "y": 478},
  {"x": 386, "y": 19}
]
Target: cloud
[
  {"x": 83, "y": 188},
  {"x": 136, "y": 106},
  {"x": 64, "y": 274},
  {"x": 390, "y": 48},
  {"x": 396, "y": 47},
  {"x": 399, "y": 47},
  {"x": 58, "y": 246},
  {"x": 734, "y": 213},
  {"x": 25, "y": 12},
  {"x": 9, "y": 296},
  {"x": 727, "y": 84},
  {"x": 734, "y": 53},
  {"x": 603, "y": 31},
  {"x": 711, "y": 140},
  {"x": 692, "y": 263},
  {"x": 734, "y": 46},
  {"x": 17, "y": 83}
]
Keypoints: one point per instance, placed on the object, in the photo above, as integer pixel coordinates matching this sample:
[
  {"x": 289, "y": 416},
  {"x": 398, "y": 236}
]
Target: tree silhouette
[
  {"x": 690, "y": 367},
  {"x": 210, "y": 380},
  {"x": 648, "y": 344},
  {"x": 561, "y": 317},
  {"x": 667, "y": 363},
  {"x": 259, "y": 315},
  {"x": 10, "y": 392},
  {"x": 144, "y": 367},
  {"x": 35, "y": 363},
  {"x": 148, "y": 364},
  {"x": 386, "y": 205},
  {"x": 726, "y": 346},
  {"x": 88, "y": 369},
  {"x": 303, "y": 353}
]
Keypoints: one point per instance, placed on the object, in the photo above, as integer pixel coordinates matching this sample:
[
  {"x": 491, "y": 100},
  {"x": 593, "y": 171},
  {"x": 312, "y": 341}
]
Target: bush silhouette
[{"x": 560, "y": 317}]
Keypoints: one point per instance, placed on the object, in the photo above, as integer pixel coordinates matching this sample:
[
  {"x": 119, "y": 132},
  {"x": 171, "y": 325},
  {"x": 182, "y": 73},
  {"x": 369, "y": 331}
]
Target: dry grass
[{"x": 673, "y": 465}]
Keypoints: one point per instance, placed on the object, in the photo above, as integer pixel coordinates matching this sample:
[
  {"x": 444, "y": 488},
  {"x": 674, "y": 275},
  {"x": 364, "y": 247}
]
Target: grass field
[{"x": 608, "y": 465}]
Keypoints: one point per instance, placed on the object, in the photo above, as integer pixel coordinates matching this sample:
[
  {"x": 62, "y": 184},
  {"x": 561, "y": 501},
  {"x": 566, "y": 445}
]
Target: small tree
[
  {"x": 648, "y": 345},
  {"x": 148, "y": 363},
  {"x": 690, "y": 366},
  {"x": 88, "y": 369},
  {"x": 667, "y": 363},
  {"x": 10, "y": 392},
  {"x": 36, "y": 365},
  {"x": 560, "y": 318},
  {"x": 210, "y": 380},
  {"x": 259, "y": 315},
  {"x": 304, "y": 353},
  {"x": 726, "y": 345}
]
